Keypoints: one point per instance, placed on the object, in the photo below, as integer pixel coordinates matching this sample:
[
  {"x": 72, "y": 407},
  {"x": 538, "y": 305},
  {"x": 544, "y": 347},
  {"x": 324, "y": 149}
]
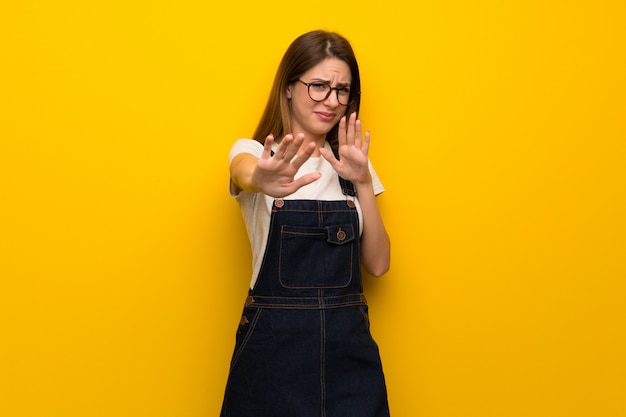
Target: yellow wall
[{"x": 497, "y": 127}]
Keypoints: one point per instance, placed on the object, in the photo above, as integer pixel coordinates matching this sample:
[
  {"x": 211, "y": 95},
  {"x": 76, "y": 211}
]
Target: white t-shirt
[{"x": 256, "y": 208}]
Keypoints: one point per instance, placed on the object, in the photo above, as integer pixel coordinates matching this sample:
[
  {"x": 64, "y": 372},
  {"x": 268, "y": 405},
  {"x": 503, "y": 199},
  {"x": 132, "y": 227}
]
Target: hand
[
  {"x": 275, "y": 175},
  {"x": 352, "y": 164}
]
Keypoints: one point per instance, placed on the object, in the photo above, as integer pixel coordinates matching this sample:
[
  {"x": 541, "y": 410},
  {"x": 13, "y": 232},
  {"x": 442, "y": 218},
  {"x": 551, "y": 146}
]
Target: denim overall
[{"x": 303, "y": 347}]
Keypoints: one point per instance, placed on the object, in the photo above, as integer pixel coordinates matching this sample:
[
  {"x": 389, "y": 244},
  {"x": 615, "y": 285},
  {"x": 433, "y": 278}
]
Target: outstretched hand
[
  {"x": 352, "y": 164},
  {"x": 275, "y": 175}
]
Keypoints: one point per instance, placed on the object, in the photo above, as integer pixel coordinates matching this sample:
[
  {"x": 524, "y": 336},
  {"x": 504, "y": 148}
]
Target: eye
[
  {"x": 319, "y": 86},
  {"x": 345, "y": 91}
]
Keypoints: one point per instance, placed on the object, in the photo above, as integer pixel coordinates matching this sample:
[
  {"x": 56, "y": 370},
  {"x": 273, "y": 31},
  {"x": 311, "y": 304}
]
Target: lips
[{"x": 328, "y": 117}]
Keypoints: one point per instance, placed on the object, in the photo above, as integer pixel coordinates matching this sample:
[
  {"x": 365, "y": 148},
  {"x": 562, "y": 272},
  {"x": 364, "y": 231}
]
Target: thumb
[
  {"x": 330, "y": 157},
  {"x": 306, "y": 179}
]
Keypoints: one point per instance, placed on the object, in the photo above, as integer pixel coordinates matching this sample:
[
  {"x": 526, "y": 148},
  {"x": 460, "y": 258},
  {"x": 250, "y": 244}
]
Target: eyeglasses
[{"x": 320, "y": 91}]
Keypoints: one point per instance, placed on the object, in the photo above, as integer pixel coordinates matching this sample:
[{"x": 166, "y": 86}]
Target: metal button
[
  {"x": 249, "y": 300},
  {"x": 279, "y": 202},
  {"x": 351, "y": 204},
  {"x": 341, "y": 235},
  {"x": 244, "y": 320}
]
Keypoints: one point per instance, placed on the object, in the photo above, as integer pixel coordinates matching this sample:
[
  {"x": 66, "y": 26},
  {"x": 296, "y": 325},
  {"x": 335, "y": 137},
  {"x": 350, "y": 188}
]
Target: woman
[{"x": 307, "y": 194}]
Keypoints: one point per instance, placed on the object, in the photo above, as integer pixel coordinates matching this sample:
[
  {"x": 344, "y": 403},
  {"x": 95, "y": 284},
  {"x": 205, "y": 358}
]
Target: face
[{"x": 312, "y": 118}]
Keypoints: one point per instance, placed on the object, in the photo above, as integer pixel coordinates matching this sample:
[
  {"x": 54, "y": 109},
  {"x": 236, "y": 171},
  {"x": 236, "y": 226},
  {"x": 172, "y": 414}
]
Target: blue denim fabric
[{"x": 303, "y": 347}]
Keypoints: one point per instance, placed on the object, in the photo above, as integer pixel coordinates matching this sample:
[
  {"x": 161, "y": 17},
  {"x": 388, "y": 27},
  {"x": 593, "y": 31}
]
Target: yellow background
[{"x": 497, "y": 128}]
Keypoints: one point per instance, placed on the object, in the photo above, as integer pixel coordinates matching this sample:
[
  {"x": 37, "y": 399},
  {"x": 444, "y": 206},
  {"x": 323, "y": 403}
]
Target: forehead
[{"x": 331, "y": 69}]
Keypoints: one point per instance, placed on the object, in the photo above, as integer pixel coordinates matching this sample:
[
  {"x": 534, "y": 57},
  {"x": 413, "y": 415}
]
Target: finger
[
  {"x": 267, "y": 146},
  {"x": 341, "y": 132},
  {"x": 293, "y": 149},
  {"x": 298, "y": 139},
  {"x": 330, "y": 157},
  {"x": 303, "y": 156},
  {"x": 306, "y": 179},
  {"x": 366, "y": 144},
  {"x": 283, "y": 146},
  {"x": 295, "y": 185},
  {"x": 350, "y": 136}
]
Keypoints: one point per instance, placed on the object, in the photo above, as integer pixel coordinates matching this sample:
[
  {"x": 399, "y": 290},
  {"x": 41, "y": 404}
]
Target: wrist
[
  {"x": 364, "y": 182},
  {"x": 364, "y": 187}
]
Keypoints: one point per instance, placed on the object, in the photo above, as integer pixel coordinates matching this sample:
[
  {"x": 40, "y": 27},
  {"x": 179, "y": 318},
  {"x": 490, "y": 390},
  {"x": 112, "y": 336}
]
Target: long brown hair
[{"x": 304, "y": 53}]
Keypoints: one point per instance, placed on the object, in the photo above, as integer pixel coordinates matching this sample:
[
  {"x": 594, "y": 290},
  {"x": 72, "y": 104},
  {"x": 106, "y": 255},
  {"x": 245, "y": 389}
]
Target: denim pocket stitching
[
  {"x": 247, "y": 336},
  {"x": 317, "y": 234}
]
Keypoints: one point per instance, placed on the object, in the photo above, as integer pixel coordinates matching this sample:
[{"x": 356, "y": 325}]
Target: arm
[
  {"x": 353, "y": 166},
  {"x": 375, "y": 244},
  {"x": 273, "y": 175}
]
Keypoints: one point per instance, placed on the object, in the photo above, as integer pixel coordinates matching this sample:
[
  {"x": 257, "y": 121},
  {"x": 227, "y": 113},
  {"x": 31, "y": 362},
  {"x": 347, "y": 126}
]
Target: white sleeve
[
  {"x": 378, "y": 186},
  {"x": 250, "y": 146}
]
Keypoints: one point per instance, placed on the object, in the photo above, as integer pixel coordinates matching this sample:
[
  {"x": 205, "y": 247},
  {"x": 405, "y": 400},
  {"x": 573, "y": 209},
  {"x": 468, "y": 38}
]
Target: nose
[{"x": 333, "y": 99}]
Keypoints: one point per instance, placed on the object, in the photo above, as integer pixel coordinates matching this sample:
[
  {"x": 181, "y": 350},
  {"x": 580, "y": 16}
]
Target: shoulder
[{"x": 250, "y": 146}]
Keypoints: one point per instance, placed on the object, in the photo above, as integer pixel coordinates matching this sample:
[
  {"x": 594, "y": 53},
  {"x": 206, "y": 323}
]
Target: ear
[{"x": 288, "y": 92}]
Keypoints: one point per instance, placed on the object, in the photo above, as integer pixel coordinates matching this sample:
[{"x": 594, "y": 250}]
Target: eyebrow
[{"x": 339, "y": 85}]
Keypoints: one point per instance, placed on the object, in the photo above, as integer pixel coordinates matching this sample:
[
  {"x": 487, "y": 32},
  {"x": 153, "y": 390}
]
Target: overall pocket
[{"x": 316, "y": 257}]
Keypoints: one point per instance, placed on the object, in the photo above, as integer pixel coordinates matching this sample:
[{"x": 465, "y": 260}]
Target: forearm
[
  {"x": 241, "y": 170},
  {"x": 375, "y": 244}
]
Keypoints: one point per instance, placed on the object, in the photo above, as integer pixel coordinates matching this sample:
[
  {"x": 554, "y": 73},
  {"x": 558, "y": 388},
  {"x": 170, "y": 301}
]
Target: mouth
[{"x": 328, "y": 117}]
